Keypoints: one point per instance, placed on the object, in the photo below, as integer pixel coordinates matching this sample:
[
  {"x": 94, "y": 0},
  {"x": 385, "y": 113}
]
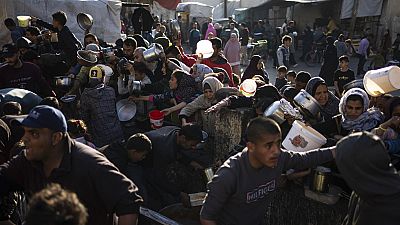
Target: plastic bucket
[
  {"x": 248, "y": 87},
  {"x": 303, "y": 138},
  {"x": 23, "y": 21},
  {"x": 205, "y": 48},
  {"x": 381, "y": 81},
  {"x": 156, "y": 119}
]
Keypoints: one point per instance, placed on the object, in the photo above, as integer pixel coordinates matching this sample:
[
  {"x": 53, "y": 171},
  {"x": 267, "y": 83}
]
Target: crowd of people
[{"x": 64, "y": 149}]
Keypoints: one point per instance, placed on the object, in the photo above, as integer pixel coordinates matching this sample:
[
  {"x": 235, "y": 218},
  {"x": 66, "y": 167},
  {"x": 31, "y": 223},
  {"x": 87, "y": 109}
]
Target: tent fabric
[
  {"x": 307, "y": 1},
  {"x": 195, "y": 9},
  {"x": 365, "y": 8},
  {"x": 169, "y": 4},
  {"x": 105, "y": 13}
]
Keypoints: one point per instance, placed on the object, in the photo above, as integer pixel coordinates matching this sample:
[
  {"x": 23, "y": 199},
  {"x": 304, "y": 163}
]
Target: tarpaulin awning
[
  {"x": 195, "y": 9},
  {"x": 169, "y": 4},
  {"x": 307, "y": 1},
  {"x": 365, "y": 8}
]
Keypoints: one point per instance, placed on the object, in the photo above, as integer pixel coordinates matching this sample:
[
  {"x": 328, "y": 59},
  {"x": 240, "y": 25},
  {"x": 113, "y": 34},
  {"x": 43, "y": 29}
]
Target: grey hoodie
[{"x": 365, "y": 165}]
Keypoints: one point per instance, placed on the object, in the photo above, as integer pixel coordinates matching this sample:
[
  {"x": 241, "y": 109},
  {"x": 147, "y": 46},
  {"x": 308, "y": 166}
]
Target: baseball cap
[
  {"x": 8, "y": 50},
  {"x": 96, "y": 72},
  {"x": 43, "y": 116}
]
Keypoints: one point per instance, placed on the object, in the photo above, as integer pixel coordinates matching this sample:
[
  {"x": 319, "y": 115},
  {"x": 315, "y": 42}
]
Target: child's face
[
  {"x": 291, "y": 79},
  {"x": 209, "y": 94},
  {"x": 343, "y": 64},
  {"x": 282, "y": 74},
  {"x": 136, "y": 156}
]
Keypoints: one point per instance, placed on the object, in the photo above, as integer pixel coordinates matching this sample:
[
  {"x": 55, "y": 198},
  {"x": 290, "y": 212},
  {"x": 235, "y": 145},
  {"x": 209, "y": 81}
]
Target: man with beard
[
  {"x": 24, "y": 75},
  {"x": 245, "y": 183},
  {"x": 51, "y": 156},
  {"x": 128, "y": 48}
]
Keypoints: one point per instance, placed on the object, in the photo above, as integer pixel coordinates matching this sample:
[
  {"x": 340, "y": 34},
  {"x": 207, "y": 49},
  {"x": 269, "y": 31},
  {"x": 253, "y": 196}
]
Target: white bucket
[
  {"x": 381, "y": 81},
  {"x": 303, "y": 138},
  {"x": 205, "y": 48},
  {"x": 23, "y": 21}
]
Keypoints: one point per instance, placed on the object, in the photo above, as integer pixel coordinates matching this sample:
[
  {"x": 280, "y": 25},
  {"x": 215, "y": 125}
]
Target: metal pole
[{"x": 225, "y": 8}]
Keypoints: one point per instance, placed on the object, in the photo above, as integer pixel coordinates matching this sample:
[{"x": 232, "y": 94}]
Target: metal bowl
[
  {"x": 85, "y": 21},
  {"x": 87, "y": 56},
  {"x": 307, "y": 104},
  {"x": 275, "y": 112},
  {"x": 354, "y": 84},
  {"x": 62, "y": 81},
  {"x": 126, "y": 110}
]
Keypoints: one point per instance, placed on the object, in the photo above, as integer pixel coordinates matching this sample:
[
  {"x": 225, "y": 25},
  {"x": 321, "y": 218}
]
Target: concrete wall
[{"x": 390, "y": 18}]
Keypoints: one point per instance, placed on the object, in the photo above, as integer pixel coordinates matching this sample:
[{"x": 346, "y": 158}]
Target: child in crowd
[
  {"x": 281, "y": 77},
  {"x": 291, "y": 77},
  {"x": 343, "y": 75},
  {"x": 78, "y": 131}
]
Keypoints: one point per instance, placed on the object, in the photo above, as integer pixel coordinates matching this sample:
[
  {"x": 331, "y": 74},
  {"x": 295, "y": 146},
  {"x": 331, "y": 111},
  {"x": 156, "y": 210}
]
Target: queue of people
[{"x": 72, "y": 134}]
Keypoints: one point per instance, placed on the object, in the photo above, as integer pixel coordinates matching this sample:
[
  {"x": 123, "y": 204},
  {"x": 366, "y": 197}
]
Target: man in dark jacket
[
  {"x": 170, "y": 145},
  {"x": 67, "y": 42},
  {"x": 24, "y": 75},
  {"x": 51, "y": 156},
  {"x": 365, "y": 165},
  {"x": 125, "y": 155}
]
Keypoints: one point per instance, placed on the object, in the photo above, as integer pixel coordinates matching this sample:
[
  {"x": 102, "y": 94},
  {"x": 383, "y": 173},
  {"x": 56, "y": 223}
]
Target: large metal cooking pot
[
  {"x": 126, "y": 110},
  {"x": 354, "y": 84},
  {"x": 307, "y": 104},
  {"x": 85, "y": 21},
  {"x": 320, "y": 179},
  {"x": 87, "y": 56},
  {"x": 175, "y": 28},
  {"x": 275, "y": 112},
  {"x": 153, "y": 52},
  {"x": 62, "y": 81}
]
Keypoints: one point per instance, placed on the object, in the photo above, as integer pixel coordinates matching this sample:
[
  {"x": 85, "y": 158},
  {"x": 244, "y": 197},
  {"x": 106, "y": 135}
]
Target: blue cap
[{"x": 44, "y": 116}]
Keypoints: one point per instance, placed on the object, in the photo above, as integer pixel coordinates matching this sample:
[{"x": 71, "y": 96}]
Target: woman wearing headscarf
[
  {"x": 329, "y": 103},
  {"x": 210, "y": 87},
  {"x": 256, "y": 67},
  {"x": 355, "y": 115},
  {"x": 232, "y": 53},
  {"x": 366, "y": 167},
  {"x": 182, "y": 91},
  {"x": 330, "y": 63},
  {"x": 210, "y": 29}
]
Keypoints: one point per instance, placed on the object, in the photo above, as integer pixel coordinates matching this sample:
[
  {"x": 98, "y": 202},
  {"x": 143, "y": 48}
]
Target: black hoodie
[{"x": 365, "y": 165}]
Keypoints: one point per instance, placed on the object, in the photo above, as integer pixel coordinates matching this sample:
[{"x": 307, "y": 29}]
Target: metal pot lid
[
  {"x": 68, "y": 98},
  {"x": 126, "y": 110}
]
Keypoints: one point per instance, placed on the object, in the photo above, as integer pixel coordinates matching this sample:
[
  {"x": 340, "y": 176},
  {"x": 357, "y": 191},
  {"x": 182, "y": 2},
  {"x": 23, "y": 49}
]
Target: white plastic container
[
  {"x": 205, "y": 48},
  {"x": 303, "y": 138},
  {"x": 23, "y": 21},
  {"x": 248, "y": 87},
  {"x": 382, "y": 81}
]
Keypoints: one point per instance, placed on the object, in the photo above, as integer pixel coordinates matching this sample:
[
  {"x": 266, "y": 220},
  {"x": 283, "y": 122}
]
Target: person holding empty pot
[
  {"x": 182, "y": 91},
  {"x": 67, "y": 42},
  {"x": 329, "y": 103},
  {"x": 355, "y": 115}
]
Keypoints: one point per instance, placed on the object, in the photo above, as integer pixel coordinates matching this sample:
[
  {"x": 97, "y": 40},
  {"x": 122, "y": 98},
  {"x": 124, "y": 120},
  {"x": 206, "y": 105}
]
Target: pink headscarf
[{"x": 210, "y": 29}]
